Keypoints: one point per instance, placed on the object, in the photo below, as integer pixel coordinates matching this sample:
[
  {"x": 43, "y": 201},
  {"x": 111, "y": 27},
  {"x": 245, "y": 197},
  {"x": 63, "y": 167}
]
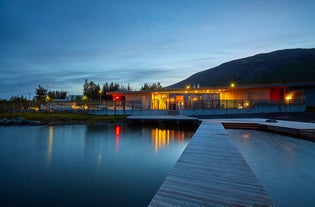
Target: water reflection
[
  {"x": 117, "y": 133},
  {"x": 246, "y": 135},
  {"x": 101, "y": 166},
  {"x": 161, "y": 138},
  {"x": 50, "y": 145}
]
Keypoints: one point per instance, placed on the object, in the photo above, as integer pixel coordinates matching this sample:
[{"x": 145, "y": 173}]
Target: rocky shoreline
[{"x": 20, "y": 121}]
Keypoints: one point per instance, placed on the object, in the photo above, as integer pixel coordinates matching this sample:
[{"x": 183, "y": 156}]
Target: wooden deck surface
[{"x": 211, "y": 172}]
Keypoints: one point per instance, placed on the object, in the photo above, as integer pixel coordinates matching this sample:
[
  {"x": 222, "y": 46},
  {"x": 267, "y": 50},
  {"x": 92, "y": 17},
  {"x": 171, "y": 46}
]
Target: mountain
[{"x": 282, "y": 66}]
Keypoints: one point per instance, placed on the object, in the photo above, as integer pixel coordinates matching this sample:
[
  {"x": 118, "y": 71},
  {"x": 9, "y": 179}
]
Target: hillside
[{"x": 283, "y": 66}]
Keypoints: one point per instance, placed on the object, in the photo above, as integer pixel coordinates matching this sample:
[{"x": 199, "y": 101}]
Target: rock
[
  {"x": 21, "y": 120},
  {"x": 18, "y": 121},
  {"x": 7, "y": 121},
  {"x": 33, "y": 122}
]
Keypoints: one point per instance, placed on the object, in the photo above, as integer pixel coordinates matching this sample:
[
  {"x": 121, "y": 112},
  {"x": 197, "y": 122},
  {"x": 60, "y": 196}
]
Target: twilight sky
[{"x": 58, "y": 44}]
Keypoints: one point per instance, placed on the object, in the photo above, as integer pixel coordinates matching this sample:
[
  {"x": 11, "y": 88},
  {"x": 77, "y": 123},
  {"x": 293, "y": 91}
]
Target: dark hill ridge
[{"x": 282, "y": 66}]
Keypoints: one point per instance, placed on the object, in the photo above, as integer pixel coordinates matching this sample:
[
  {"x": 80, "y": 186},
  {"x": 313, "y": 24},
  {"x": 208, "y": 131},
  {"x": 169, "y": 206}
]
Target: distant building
[{"x": 74, "y": 97}]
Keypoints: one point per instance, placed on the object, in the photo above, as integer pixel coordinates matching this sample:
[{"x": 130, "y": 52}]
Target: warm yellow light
[
  {"x": 85, "y": 98},
  {"x": 188, "y": 87},
  {"x": 100, "y": 91},
  {"x": 232, "y": 85},
  {"x": 75, "y": 106},
  {"x": 288, "y": 97}
]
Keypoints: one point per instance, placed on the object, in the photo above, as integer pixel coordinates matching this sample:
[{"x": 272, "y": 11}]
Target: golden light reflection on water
[
  {"x": 161, "y": 138},
  {"x": 50, "y": 144},
  {"x": 245, "y": 135}
]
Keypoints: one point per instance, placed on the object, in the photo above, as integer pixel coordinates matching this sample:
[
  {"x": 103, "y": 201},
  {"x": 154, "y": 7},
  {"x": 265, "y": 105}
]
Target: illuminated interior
[{"x": 159, "y": 101}]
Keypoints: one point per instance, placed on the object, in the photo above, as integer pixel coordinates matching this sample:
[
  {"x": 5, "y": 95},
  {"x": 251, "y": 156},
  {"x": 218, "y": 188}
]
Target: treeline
[
  {"x": 91, "y": 91},
  {"x": 152, "y": 86}
]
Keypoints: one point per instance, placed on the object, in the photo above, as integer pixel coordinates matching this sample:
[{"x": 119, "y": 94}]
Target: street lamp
[
  {"x": 100, "y": 92},
  {"x": 232, "y": 85}
]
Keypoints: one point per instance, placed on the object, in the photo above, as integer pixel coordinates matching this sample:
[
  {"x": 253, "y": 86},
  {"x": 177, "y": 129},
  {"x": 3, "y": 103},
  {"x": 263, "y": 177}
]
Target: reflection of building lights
[
  {"x": 162, "y": 138},
  {"x": 117, "y": 130},
  {"x": 246, "y": 135},
  {"x": 117, "y": 133},
  {"x": 99, "y": 158},
  {"x": 50, "y": 144}
]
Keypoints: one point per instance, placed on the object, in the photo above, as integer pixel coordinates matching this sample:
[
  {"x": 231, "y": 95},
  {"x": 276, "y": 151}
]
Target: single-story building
[{"x": 231, "y": 97}]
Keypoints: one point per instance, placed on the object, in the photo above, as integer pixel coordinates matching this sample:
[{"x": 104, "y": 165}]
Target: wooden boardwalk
[{"x": 211, "y": 172}]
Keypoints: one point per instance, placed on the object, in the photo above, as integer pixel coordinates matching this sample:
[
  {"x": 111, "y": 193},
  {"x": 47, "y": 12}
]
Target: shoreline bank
[{"x": 34, "y": 119}]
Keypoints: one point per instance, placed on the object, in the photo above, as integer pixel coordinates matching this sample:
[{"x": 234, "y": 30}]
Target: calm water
[
  {"x": 285, "y": 166},
  {"x": 85, "y": 166}
]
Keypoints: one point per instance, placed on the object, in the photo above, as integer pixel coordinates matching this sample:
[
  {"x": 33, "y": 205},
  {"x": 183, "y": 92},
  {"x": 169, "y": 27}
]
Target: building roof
[{"x": 215, "y": 89}]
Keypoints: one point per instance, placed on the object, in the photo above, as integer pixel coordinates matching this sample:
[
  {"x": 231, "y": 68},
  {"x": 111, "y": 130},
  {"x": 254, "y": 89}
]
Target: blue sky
[{"x": 59, "y": 44}]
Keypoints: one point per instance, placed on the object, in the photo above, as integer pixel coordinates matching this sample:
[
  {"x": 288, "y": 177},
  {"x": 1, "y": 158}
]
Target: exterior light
[
  {"x": 116, "y": 97},
  {"x": 288, "y": 97},
  {"x": 232, "y": 85},
  {"x": 188, "y": 87},
  {"x": 85, "y": 98}
]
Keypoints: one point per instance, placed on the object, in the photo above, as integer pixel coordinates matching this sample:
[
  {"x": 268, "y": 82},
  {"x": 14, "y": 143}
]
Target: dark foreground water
[
  {"x": 285, "y": 166},
  {"x": 85, "y": 166}
]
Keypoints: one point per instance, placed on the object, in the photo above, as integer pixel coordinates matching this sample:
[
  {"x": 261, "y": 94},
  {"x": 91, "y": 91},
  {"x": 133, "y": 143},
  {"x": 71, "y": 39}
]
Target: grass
[{"x": 46, "y": 117}]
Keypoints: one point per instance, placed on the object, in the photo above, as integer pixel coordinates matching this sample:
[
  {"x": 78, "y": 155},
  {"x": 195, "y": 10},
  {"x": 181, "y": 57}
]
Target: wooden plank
[{"x": 211, "y": 172}]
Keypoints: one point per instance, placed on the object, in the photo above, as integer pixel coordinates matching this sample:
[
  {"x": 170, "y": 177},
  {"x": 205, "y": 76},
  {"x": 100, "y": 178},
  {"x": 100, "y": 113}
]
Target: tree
[
  {"x": 91, "y": 90},
  {"x": 57, "y": 94},
  {"x": 41, "y": 93},
  {"x": 152, "y": 86}
]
